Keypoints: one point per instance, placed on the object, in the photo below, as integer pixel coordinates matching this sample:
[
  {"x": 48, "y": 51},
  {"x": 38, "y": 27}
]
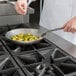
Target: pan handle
[{"x": 56, "y": 29}]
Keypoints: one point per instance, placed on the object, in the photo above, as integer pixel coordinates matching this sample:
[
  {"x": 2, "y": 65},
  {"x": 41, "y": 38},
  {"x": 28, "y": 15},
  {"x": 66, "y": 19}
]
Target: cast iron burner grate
[
  {"x": 63, "y": 64},
  {"x": 11, "y": 60}
]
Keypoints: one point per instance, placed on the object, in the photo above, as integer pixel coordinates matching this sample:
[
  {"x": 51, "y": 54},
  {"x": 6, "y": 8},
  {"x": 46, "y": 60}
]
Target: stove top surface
[{"x": 41, "y": 59}]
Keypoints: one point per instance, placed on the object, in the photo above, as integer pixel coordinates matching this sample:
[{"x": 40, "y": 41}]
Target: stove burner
[{"x": 63, "y": 65}]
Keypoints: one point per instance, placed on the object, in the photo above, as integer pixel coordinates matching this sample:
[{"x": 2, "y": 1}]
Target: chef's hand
[
  {"x": 70, "y": 26},
  {"x": 21, "y": 6}
]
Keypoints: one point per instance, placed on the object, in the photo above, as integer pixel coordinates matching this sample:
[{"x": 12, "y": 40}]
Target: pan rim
[
  {"x": 22, "y": 29},
  {"x": 23, "y": 42}
]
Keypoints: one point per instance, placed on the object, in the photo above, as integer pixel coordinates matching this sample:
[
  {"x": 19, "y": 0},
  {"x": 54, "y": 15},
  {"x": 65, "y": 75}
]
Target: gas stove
[{"x": 41, "y": 59}]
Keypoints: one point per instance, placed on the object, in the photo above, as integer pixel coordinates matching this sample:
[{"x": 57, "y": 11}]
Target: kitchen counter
[{"x": 61, "y": 43}]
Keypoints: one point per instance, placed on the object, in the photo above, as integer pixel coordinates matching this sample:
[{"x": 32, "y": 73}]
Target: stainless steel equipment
[
  {"x": 8, "y": 14},
  {"x": 13, "y": 3}
]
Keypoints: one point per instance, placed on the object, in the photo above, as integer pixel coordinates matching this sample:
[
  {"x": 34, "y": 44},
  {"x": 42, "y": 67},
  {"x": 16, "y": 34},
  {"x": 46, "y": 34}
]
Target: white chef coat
[{"x": 56, "y": 13}]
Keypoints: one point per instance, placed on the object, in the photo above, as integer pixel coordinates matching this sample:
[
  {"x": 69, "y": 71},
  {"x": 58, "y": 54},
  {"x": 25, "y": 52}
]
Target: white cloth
[{"x": 56, "y": 13}]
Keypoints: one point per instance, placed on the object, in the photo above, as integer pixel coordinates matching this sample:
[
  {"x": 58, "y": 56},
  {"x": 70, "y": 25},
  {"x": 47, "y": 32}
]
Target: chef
[{"x": 55, "y": 14}]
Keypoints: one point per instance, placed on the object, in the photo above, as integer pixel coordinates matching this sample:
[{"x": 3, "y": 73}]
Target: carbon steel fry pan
[
  {"x": 11, "y": 33},
  {"x": 36, "y": 32}
]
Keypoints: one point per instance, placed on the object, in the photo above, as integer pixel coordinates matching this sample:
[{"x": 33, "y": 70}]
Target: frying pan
[{"x": 36, "y": 32}]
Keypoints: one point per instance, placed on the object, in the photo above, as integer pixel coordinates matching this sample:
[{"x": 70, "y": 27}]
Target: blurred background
[
  {"x": 37, "y": 5},
  {"x": 9, "y": 16}
]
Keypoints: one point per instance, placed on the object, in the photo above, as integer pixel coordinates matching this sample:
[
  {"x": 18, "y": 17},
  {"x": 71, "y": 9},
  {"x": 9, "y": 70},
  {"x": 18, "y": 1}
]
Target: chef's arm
[{"x": 70, "y": 26}]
